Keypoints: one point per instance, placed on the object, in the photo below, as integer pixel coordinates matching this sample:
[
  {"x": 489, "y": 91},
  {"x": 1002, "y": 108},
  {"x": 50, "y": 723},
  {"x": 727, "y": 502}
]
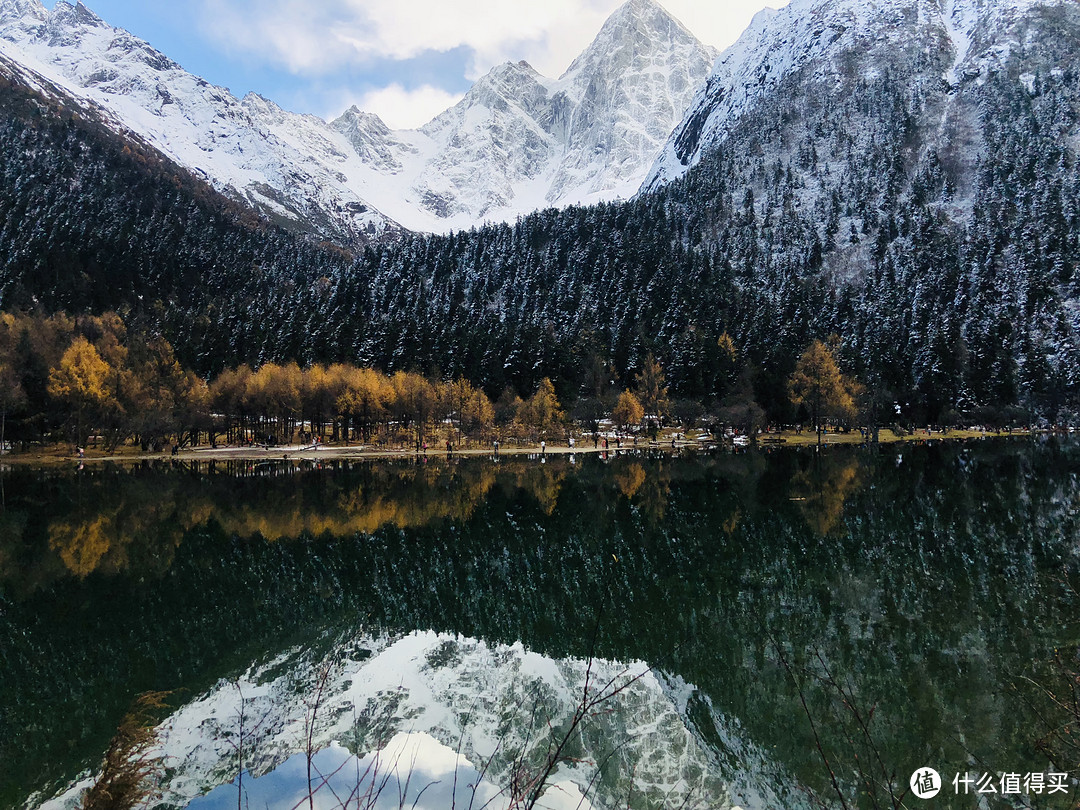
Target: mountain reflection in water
[
  {"x": 928, "y": 584},
  {"x": 440, "y": 711}
]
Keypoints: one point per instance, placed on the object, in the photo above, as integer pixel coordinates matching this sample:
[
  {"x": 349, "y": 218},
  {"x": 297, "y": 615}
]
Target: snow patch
[{"x": 959, "y": 19}]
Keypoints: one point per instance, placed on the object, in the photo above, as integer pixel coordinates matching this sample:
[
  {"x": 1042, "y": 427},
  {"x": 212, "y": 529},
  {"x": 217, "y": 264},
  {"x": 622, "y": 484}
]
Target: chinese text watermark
[{"x": 926, "y": 783}]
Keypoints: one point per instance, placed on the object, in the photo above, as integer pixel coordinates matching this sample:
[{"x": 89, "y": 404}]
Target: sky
[{"x": 405, "y": 60}]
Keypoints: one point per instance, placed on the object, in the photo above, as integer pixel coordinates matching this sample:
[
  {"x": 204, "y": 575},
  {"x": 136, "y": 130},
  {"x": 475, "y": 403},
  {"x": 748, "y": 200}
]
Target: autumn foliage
[
  {"x": 93, "y": 380},
  {"x": 90, "y": 379},
  {"x": 818, "y": 385}
]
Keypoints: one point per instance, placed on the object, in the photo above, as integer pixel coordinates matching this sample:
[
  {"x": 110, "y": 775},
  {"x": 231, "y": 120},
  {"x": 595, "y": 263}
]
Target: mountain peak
[
  {"x": 636, "y": 30},
  {"x": 505, "y": 86},
  {"x": 638, "y": 9},
  {"x": 77, "y": 14},
  {"x": 354, "y": 116},
  {"x": 19, "y": 9},
  {"x": 520, "y": 68}
]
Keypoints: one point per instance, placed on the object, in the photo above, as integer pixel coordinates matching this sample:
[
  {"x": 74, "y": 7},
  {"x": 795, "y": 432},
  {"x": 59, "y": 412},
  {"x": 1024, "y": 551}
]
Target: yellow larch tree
[
  {"x": 818, "y": 385},
  {"x": 627, "y": 411},
  {"x": 81, "y": 382}
]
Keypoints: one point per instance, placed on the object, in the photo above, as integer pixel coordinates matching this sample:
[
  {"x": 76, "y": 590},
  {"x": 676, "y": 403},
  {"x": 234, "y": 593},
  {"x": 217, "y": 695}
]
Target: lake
[{"x": 759, "y": 629}]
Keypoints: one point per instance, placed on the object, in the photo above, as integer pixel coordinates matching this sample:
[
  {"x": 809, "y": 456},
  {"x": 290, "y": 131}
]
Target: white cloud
[
  {"x": 719, "y": 22},
  {"x": 316, "y": 38},
  {"x": 323, "y": 37},
  {"x": 406, "y": 109}
]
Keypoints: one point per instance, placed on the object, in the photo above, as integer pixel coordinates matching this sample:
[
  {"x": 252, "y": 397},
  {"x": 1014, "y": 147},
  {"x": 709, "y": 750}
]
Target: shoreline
[{"x": 764, "y": 441}]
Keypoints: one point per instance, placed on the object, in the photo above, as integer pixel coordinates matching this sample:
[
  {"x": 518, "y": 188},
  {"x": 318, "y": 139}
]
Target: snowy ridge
[
  {"x": 515, "y": 143},
  {"x": 825, "y": 38},
  {"x": 276, "y": 161},
  {"x": 457, "y": 694}
]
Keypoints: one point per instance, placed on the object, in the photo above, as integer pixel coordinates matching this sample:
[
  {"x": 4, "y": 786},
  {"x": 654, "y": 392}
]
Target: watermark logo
[{"x": 925, "y": 783}]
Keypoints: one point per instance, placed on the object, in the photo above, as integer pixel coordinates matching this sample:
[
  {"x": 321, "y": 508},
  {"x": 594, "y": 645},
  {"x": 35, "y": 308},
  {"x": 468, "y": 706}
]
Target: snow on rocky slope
[
  {"x": 282, "y": 164},
  {"x": 840, "y": 41},
  {"x": 580, "y": 139},
  {"x": 516, "y": 142}
]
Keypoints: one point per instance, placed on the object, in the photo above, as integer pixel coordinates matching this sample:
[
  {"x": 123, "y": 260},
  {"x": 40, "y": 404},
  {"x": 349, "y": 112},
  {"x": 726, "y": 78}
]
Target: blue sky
[{"x": 406, "y": 60}]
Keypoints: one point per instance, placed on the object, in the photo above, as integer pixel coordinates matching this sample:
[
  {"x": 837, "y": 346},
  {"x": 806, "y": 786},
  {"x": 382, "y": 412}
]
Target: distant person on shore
[{"x": 543, "y": 447}]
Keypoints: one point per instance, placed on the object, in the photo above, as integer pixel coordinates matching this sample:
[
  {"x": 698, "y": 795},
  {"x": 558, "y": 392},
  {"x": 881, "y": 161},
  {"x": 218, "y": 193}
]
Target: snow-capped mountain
[
  {"x": 282, "y": 164},
  {"x": 812, "y": 47},
  {"x": 580, "y": 139},
  {"x": 516, "y": 142}
]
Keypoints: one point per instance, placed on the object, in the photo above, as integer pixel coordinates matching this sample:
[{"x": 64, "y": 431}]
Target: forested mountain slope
[
  {"x": 922, "y": 155},
  {"x": 90, "y": 221}
]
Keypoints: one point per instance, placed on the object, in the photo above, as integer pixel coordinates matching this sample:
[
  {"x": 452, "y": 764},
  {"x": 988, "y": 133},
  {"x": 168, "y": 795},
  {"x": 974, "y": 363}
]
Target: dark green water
[{"x": 934, "y": 585}]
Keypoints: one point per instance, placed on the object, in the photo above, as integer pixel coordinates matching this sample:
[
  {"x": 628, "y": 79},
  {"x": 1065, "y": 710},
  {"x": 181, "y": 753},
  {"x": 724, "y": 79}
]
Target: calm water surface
[{"x": 886, "y": 609}]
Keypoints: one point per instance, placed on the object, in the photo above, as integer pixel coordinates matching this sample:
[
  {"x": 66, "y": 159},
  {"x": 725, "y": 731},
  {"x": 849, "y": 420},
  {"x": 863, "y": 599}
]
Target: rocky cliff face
[{"x": 628, "y": 91}]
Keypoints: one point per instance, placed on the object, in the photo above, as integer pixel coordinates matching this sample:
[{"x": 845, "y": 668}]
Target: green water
[{"x": 922, "y": 592}]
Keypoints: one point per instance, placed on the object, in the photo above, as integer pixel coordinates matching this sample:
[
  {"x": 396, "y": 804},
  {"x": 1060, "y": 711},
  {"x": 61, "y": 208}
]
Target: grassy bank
[{"x": 65, "y": 454}]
